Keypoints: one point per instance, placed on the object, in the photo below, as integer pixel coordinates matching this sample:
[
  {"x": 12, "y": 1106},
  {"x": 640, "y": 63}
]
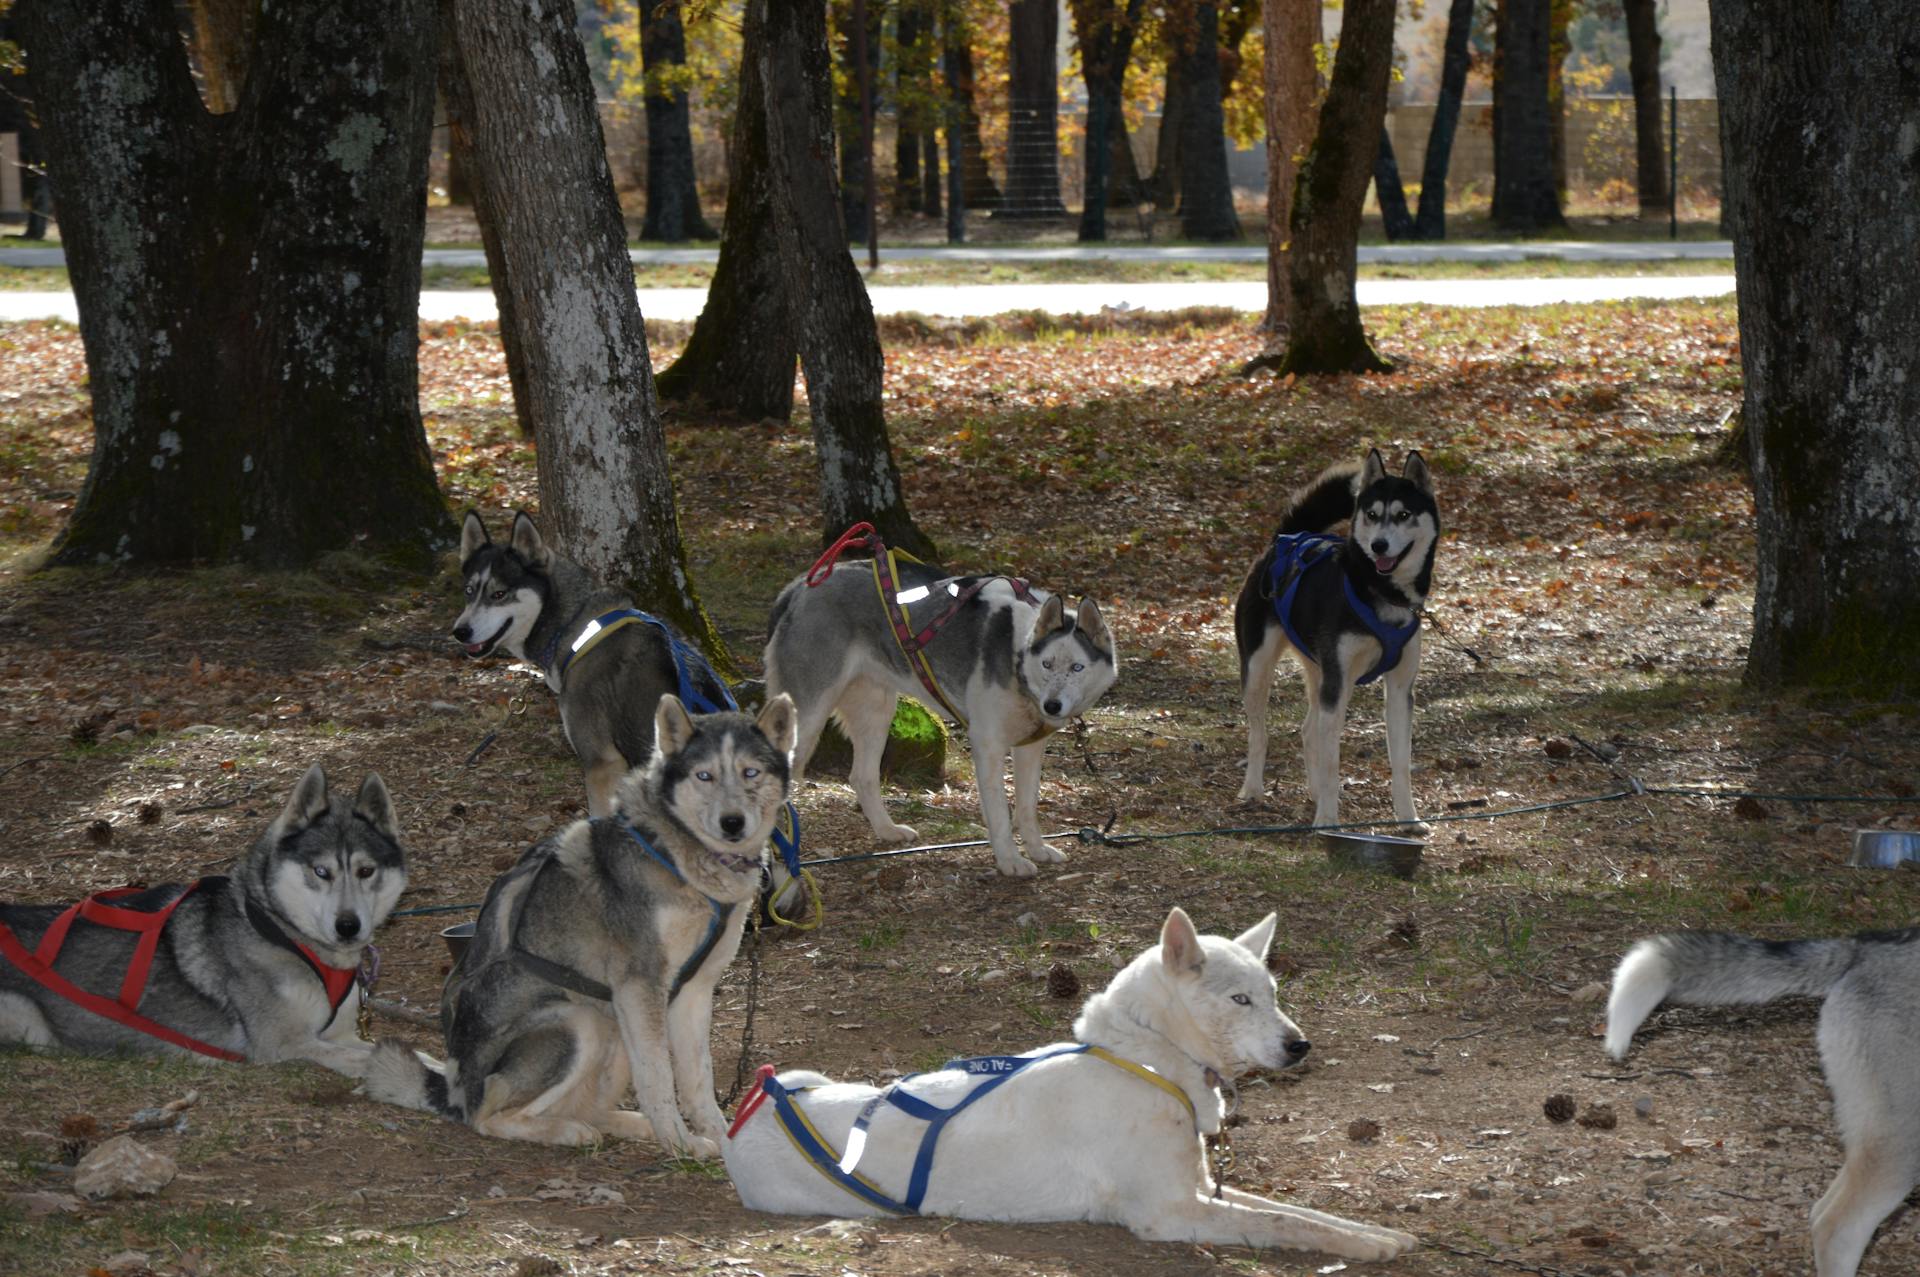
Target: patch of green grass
[{"x": 882, "y": 935}]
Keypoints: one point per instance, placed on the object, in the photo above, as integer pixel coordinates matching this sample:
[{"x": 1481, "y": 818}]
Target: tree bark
[
  {"x": 1821, "y": 196},
  {"x": 1558, "y": 46},
  {"x": 741, "y": 356},
  {"x": 1164, "y": 184},
  {"x": 1124, "y": 187},
  {"x": 908, "y": 82},
  {"x": 839, "y": 343},
  {"x": 1292, "y": 83},
  {"x": 930, "y": 200},
  {"x": 1524, "y": 195},
  {"x": 1105, "y": 35},
  {"x": 1326, "y": 335},
  {"x": 673, "y": 192},
  {"x": 222, "y": 44},
  {"x": 854, "y": 158},
  {"x": 248, "y": 284},
  {"x": 1388, "y": 191},
  {"x": 1649, "y": 147},
  {"x": 606, "y": 492},
  {"x": 1033, "y": 112},
  {"x": 1431, "y": 221},
  {"x": 982, "y": 194},
  {"x": 1206, "y": 192}
]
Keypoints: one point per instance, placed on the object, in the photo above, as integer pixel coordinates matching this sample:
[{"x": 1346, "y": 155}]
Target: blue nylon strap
[
  {"x": 1297, "y": 553},
  {"x": 686, "y": 661},
  {"x": 1392, "y": 639},
  {"x": 713, "y": 925},
  {"x": 823, "y": 1159}
]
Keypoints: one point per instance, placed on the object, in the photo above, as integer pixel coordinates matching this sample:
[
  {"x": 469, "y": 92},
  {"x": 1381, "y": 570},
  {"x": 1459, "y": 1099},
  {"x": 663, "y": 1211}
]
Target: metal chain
[{"x": 745, "y": 1064}]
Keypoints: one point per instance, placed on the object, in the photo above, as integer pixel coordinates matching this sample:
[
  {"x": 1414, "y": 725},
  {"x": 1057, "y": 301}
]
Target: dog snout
[
  {"x": 1297, "y": 1050},
  {"x": 733, "y": 824},
  {"x": 1052, "y": 705},
  {"x": 463, "y": 632},
  {"x": 346, "y": 925},
  {"x": 1379, "y": 545}
]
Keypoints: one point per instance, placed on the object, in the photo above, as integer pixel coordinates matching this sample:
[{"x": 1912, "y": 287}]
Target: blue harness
[
  {"x": 687, "y": 662},
  {"x": 1297, "y": 553}
]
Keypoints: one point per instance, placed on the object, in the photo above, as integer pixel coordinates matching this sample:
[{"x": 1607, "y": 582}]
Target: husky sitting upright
[
  {"x": 1106, "y": 1129},
  {"x": 595, "y": 957},
  {"x": 1009, "y": 664},
  {"x": 1869, "y": 1050},
  {"x": 260, "y": 966},
  {"x": 537, "y": 606},
  {"x": 1348, "y": 609}
]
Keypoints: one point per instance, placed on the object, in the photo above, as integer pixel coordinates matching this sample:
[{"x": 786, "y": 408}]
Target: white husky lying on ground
[{"x": 1107, "y": 1129}]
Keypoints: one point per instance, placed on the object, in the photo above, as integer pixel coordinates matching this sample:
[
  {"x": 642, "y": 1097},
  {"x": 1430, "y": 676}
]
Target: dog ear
[
  {"x": 1090, "y": 623},
  {"x": 1180, "y": 950},
  {"x": 375, "y": 805},
  {"x": 1259, "y": 938},
  {"x": 473, "y": 535},
  {"x": 780, "y": 723},
  {"x": 528, "y": 543},
  {"x": 1053, "y": 616},
  {"x": 308, "y": 802},
  {"x": 672, "y": 725},
  {"x": 1374, "y": 469},
  {"x": 1416, "y": 472}
]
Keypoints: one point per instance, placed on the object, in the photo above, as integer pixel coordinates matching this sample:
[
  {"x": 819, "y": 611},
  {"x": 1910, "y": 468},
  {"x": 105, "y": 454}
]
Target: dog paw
[
  {"x": 1378, "y": 1243},
  {"x": 1041, "y": 853},
  {"x": 1015, "y": 865},
  {"x": 1251, "y": 792},
  {"x": 626, "y": 1125},
  {"x": 895, "y": 833},
  {"x": 699, "y": 1148}
]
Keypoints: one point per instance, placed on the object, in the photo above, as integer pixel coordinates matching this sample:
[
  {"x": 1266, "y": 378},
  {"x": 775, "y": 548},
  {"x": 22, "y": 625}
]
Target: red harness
[{"x": 147, "y": 924}]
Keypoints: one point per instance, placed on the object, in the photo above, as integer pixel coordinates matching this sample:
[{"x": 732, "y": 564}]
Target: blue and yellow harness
[{"x": 1297, "y": 553}]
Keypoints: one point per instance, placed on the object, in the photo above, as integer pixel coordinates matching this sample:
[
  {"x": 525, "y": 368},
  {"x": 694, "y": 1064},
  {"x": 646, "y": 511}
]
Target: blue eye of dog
[
  {"x": 748, "y": 773},
  {"x": 322, "y": 873},
  {"x": 1242, "y": 999},
  {"x": 703, "y": 776},
  {"x": 1078, "y": 666}
]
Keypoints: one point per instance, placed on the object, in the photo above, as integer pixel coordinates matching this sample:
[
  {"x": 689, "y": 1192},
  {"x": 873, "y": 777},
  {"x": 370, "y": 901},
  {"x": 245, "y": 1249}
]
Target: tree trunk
[
  {"x": 1524, "y": 196},
  {"x": 457, "y": 94},
  {"x": 930, "y": 170},
  {"x": 839, "y": 344},
  {"x": 1388, "y": 191},
  {"x": 740, "y": 359},
  {"x": 222, "y": 43},
  {"x": 673, "y": 193},
  {"x": 1164, "y": 185},
  {"x": 1820, "y": 196},
  {"x": 606, "y": 493},
  {"x": 1649, "y": 147},
  {"x": 959, "y": 106},
  {"x": 907, "y": 85},
  {"x": 36, "y": 192},
  {"x": 1105, "y": 37},
  {"x": 1124, "y": 187},
  {"x": 1326, "y": 335},
  {"x": 1292, "y": 83},
  {"x": 248, "y": 284},
  {"x": 854, "y": 157},
  {"x": 1206, "y": 192},
  {"x": 1431, "y": 221},
  {"x": 1033, "y": 112},
  {"x": 1558, "y": 46},
  {"x": 981, "y": 193}
]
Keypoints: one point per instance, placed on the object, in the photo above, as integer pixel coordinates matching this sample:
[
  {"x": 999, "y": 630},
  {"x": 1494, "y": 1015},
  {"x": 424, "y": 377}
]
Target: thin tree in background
[
  {"x": 1206, "y": 191},
  {"x": 1292, "y": 82},
  {"x": 850, "y": 111},
  {"x": 956, "y": 46},
  {"x": 1430, "y": 222},
  {"x": 1524, "y": 195},
  {"x": 673, "y": 193},
  {"x": 1649, "y": 150},
  {"x": 1394, "y": 217},
  {"x": 1105, "y": 34}
]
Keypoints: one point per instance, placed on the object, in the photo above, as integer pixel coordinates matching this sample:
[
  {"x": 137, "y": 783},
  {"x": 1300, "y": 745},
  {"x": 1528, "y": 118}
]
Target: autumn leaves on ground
[{"x": 1594, "y": 590}]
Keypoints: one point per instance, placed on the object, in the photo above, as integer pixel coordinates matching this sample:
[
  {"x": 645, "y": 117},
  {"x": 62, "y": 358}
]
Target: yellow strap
[
  {"x": 887, "y": 605},
  {"x": 1146, "y": 1074},
  {"x": 594, "y": 640},
  {"x": 811, "y": 888},
  {"x": 833, "y": 1154}
]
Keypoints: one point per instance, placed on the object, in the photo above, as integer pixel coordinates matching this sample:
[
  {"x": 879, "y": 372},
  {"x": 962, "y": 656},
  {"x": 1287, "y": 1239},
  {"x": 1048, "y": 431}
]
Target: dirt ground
[{"x": 1595, "y": 583}]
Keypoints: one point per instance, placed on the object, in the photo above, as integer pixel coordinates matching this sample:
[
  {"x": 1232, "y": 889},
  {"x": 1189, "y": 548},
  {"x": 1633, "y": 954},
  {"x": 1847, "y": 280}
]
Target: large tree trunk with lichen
[
  {"x": 1820, "y": 197},
  {"x": 673, "y": 193},
  {"x": 1292, "y": 83},
  {"x": 1326, "y": 335},
  {"x": 605, "y": 492},
  {"x": 741, "y": 356},
  {"x": 248, "y": 283},
  {"x": 1430, "y": 222},
  {"x": 1643, "y": 63},
  {"x": 1524, "y": 195},
  {"x": 839, "y": 342}
]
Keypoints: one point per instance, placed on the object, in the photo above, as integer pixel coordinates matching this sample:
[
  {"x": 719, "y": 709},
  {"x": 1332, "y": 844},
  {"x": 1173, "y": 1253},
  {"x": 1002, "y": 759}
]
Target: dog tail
[
  {"x": 1324, "y": 502},
  {"x": 1713, "y": 968},
  {"x": 398, "y": 1074}
]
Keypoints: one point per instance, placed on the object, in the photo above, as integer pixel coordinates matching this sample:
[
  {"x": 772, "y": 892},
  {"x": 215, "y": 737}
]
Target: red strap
[
  {"x": 823, "y": 566},
  {"x": 756, "y": 1094},
  {"x": 337, "y": 981}
]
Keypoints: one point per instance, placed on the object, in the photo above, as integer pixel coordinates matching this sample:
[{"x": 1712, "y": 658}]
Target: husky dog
[
  {"x": 1107, "y": 1129},
  {"x": 1012, "y": 663},
  {"x": 1869, "y": 1050},
  {"x": 259, "y": 966},
  {"x": 595, "y": 957},
  {"x": 1351, "y": 614},
  {"x": 524, "y": 599}
]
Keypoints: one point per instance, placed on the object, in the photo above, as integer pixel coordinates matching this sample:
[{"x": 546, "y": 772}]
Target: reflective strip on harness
[
  {"x": 1297, "y": 553},
  {"x": 686, "y": 661},
  {"x": 840, "y": 1168}
]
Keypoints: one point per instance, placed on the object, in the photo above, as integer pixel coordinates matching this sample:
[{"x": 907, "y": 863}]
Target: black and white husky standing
[
  {"x": 257, "y": 966},
  {"x": 595, "y": 957},
  {"x": 1869, "y": 1049},
  {"x": 1016, "y": 665},
  {"x": 535, "y": 605},
  {"x": 1348, "y": 609}
]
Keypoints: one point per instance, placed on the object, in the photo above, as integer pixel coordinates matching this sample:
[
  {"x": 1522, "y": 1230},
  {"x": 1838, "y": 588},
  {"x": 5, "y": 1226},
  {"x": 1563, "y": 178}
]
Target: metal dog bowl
[
  {"x": 458, "y": 937},
  {"x": 1884, "y": 848},
  {"x": 1381, "y": 853}
]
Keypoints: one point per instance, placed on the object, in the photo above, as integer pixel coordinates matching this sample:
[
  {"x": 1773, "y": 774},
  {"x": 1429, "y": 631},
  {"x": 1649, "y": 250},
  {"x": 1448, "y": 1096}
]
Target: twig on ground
[
  {"x": 394, "y": 1011},
  {"x": 219, "y": 806}
]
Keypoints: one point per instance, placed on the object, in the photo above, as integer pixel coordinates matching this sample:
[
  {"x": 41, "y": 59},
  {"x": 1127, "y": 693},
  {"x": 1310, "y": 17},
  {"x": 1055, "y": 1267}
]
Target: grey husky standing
[
  {"x": 537, "y": 606},
  {"x": 1869, "y": 1050},
  {"x": 595, "y": 957},
  {"x": 1017, "y": 668},
  {"x": 1348, "y": 609},
  {"x": 258, "y": 966}
]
